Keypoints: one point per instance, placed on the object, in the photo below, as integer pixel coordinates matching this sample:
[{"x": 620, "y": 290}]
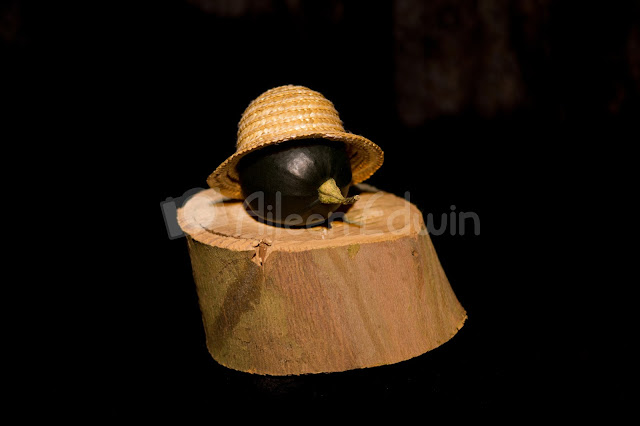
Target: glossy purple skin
[{"x": 280, "y": 182}]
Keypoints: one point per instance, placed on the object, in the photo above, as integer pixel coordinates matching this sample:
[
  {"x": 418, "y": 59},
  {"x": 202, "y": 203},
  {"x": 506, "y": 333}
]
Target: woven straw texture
[{"x": 288, "y": 113}]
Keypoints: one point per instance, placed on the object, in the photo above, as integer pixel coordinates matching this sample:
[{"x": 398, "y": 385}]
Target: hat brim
[{"x": 365, "y": 156}]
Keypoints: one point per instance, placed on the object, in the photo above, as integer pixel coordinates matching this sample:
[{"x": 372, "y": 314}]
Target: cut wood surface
[{"x": 367, "y": 291}]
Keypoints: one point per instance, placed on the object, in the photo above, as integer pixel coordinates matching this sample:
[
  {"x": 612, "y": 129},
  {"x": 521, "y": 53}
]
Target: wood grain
[{"x": 367, "y": 292}]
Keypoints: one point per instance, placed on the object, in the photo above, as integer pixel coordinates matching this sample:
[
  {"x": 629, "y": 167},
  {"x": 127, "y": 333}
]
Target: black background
[{"x": 152, "y": 92}]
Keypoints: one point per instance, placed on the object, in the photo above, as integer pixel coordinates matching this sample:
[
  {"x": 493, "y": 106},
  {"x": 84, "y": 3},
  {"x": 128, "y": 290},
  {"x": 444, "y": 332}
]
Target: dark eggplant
[{"x": 296, "y": 183}]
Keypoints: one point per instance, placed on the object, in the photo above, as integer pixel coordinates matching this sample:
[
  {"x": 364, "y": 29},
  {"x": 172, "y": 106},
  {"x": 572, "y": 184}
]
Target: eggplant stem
[{"x": 329, "y": 193}]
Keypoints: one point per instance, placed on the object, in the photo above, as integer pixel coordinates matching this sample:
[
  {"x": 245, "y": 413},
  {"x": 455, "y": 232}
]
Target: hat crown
[{"x": 287, "y": 112}]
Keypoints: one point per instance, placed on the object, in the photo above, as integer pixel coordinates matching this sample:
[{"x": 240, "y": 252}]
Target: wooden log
[{"x": 367, "y": 291}]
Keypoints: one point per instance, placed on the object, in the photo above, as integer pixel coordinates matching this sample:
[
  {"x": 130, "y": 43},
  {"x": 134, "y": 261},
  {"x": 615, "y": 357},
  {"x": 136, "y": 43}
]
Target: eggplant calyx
[{"x": 329, "y": 193}]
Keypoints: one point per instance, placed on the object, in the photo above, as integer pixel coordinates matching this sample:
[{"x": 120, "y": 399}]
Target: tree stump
[{"x": 367, "y": 291}]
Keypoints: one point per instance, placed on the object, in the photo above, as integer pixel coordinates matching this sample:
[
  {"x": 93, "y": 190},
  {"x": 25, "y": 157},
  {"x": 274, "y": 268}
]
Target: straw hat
[{"x": 288, "y": 113}]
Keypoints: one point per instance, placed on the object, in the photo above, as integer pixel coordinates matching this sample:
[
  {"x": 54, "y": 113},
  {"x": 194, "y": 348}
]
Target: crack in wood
[{"x": 261, "y": 251}]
